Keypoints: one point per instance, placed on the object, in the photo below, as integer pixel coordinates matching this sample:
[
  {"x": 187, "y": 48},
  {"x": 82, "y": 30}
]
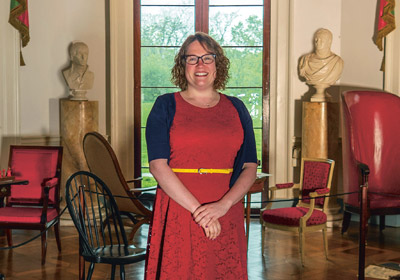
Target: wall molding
[
  {"x": 9, "y": 83},
  {"x": 40, "y": 140},
  {"x": 121, "y": 82},
  {"x": 392, "y": 60},
  {"x": 280, "y": 101}
]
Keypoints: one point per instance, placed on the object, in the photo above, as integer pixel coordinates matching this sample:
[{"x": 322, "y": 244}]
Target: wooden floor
[{"x": 281, "y": 259}]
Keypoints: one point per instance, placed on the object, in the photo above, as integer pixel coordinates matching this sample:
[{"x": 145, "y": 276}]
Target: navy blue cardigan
[{"x": 160, "y": 121}]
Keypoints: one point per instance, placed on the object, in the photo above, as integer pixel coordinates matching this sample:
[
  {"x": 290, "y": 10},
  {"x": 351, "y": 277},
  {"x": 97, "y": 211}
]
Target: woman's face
[{"x": 199, "y": 76}]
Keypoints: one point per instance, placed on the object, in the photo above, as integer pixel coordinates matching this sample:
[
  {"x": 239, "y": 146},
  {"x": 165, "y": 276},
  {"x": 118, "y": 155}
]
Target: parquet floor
[{"x": 281, "y": 259}]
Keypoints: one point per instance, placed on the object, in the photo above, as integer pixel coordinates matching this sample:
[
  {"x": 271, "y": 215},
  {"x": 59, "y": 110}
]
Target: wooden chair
[
  {"x": 308, "y": 215},
  {"x": 35, "y": 205},
  {"x": 95, "y": 214},
  {"x": 135, "y": 203},
  {"x": 370, "y": 133}
]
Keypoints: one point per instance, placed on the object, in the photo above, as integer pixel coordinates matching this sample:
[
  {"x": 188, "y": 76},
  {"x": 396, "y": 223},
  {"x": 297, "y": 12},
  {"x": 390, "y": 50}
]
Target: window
[{"x": 242, "y": 29}]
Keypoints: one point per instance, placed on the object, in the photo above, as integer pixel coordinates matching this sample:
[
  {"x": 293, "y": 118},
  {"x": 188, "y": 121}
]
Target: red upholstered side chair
[
  {"x": 371, "y": 133},
  {"x": 35, "y": 205},
  {"x": 308, "y": 215}
]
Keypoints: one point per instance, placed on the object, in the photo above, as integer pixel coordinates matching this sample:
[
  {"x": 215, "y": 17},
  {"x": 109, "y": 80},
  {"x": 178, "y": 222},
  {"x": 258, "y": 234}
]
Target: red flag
[
  {"x": 20, "y": 20},
  {"x": 386, "y": 21}
]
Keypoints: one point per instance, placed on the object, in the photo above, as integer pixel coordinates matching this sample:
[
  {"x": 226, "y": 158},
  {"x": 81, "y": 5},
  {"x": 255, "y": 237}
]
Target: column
[
  {"x": 76, "y": 119},
  {"x": 320, "y": 134}
]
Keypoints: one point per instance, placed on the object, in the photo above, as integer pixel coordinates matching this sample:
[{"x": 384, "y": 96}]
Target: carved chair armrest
[
  {"x": 50, "y": 182},
  {"x": 273, "y": 190},
  {"x": 320, "y": 192},
  {"x": 313, "y": 195},
  {"x": 139, "y": 190},
  {"x": 284, "y": 186},
  {"x": 364, "y": 169},
  {"x": 135, "y": 180},
  {"x": 47, "y": 184}
]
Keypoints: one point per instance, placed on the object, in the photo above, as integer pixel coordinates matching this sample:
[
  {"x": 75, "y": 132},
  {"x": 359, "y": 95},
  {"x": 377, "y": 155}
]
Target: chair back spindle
[{"x": 96, "y": 216}]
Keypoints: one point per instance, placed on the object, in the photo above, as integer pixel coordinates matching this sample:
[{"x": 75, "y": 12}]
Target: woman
[{"x": 202, "y": 153}]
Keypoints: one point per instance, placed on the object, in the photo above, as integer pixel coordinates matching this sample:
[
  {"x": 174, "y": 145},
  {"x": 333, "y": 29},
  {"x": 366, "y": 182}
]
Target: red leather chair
[
  {"x": 35, "y": 205},
  {"x": 370, "y": 134}
]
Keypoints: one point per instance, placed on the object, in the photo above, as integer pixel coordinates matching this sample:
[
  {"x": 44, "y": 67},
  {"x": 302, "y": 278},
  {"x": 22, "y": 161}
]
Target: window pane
[
  {"x": 237, "y": 26},
  {"x": 156, "y": 66},
  {"x": 246, "y": 67},
  {"x": 148, "y": 179},
  {"x": 236, "y": 2},
  {"x": 251, "y": 97},
  {"x": 166, "y": 26},
  {"x": 145, "y": 162},
  {"x": 149, "y": 95},
  {"x": 166, "y": 3}
]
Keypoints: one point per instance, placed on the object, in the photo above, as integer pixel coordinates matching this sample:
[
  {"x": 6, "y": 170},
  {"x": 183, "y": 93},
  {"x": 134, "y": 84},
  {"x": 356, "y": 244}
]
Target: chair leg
[
  {"x": 325, "y": 242},
  {"x": 57, "y": 233},
  {"x": 90, "y": 271},
  {"x": 9, "y": 237},
  {"x": 346, "y": 221},
  {"x": 381, "y": 222},
  {"x": 301, "y": 246},
  {"x": 262, "y": 238},
  {"x": 113, "y": 272},
  {"x": 122, "y": 272},
  {"x": 44, "y": 247},
  {"x": 81, "y": 266},
  {"x": 136, "y": 227}
]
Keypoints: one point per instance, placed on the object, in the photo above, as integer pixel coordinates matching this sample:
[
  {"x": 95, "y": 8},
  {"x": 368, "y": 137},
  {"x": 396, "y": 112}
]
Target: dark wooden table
[
  {"x": 5, "y": 187},
  {"x": 258, "y": 186}
]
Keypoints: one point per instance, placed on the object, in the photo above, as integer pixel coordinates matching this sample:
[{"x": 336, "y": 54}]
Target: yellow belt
[{"x": 203, "y": 170}]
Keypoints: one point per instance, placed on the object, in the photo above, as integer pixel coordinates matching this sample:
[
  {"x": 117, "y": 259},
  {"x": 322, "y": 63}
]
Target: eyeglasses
[{"x": 194, "y": 59}]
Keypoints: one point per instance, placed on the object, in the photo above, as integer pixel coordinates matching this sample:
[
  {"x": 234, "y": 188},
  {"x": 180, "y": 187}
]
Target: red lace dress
[{"x": 178, "y": 247}]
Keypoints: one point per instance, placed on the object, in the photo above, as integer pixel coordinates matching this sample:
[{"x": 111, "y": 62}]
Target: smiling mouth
[{"x": 202, "y": 74}]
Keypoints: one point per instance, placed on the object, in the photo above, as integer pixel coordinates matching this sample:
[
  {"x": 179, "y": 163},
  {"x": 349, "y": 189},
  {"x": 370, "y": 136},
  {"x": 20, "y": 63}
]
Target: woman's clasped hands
[{"x": 207, "y": 216}]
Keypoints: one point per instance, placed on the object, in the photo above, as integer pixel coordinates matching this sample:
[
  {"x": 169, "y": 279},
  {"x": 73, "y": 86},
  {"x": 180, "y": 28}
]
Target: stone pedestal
[
  {"x": 76, "y": 119},
  {"x": 320, "y": 134}
]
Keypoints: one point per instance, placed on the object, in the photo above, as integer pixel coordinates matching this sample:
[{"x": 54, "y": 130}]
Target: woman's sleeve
[
  {"x": 248, "y": 150},
  {"x": 157, "y": 131},
  {"x": 249, "y": 142}
]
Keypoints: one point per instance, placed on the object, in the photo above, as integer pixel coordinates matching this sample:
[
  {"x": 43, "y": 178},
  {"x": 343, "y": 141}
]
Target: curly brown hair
[{"x": 221, "y": 61}]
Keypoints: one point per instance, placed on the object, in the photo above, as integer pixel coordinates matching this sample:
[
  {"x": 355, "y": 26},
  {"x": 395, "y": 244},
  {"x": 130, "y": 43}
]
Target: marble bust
[
  {"x": 78, "y": 76},
  {"x": 321, "y": 68}
]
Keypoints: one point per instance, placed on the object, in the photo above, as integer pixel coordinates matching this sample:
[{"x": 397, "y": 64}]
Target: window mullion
[
  {"x": 201, "y": 15},
  {"x": 137, "y": 145}
]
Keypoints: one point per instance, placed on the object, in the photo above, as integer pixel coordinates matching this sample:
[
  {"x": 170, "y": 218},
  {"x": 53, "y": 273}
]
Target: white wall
[
  {"x": 9, "y": 121},
  {"x": 352, "y": 24},
  {"x": 361, "y": 56},
  {"x": 308, "y": 17},
  {"x": 53, "y": 26},
  {"x": 293, "y": 24}
]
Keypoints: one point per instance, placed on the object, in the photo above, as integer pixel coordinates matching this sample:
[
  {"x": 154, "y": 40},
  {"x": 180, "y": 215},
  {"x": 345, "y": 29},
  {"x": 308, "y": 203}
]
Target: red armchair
[
  {"x": 35, "y": 205},
  {"x": 309, "y": 214},
  {"x": 370, "y": 132}
]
